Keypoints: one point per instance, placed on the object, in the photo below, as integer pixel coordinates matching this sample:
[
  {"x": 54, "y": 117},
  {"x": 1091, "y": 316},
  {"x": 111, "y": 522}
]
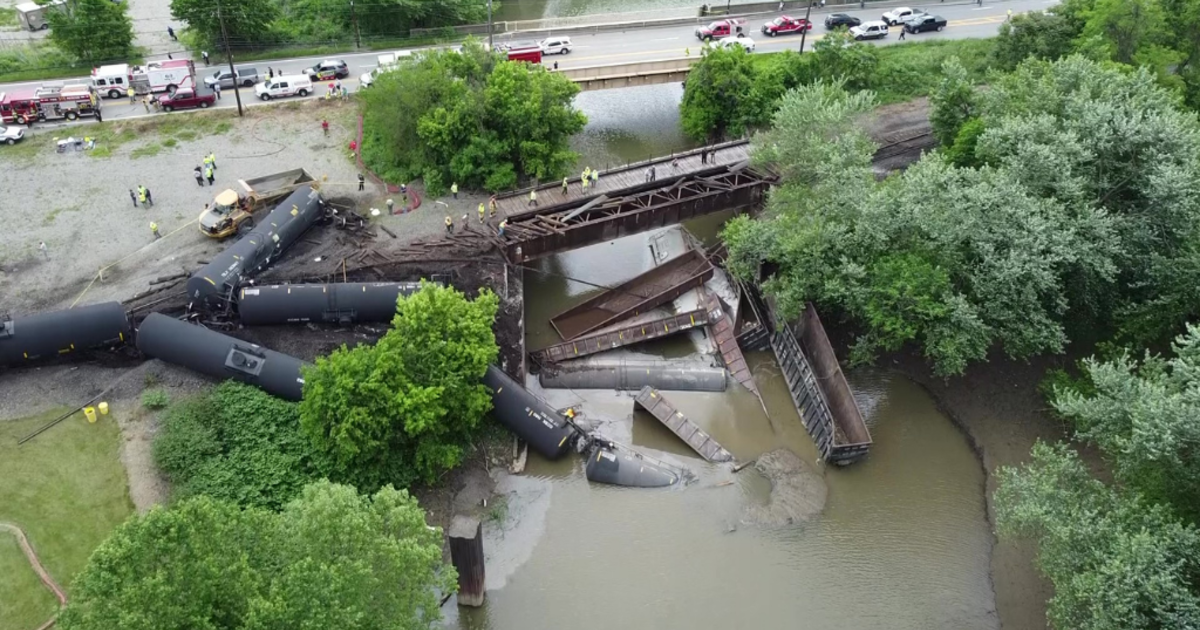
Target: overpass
[{"x": 632, "y": 74}]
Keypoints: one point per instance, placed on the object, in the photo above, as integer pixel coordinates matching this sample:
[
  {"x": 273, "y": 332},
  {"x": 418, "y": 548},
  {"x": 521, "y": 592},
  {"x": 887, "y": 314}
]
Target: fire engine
[
  {"x": 49, "y": 102},
  {"x": 523, "y": 51},
  {"x": 157, "y": 76}
]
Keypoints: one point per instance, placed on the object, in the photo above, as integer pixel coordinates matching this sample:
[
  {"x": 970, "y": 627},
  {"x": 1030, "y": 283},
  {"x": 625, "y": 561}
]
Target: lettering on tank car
[
  {"x": 249, "y": 291},
  {"x": 609, "y": 456}
]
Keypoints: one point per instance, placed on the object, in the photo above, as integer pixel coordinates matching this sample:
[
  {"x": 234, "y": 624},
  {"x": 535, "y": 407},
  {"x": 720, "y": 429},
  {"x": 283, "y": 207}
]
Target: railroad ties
[
  {"x": 653, "y": 403},
  {"x": 620, "y": 337}
]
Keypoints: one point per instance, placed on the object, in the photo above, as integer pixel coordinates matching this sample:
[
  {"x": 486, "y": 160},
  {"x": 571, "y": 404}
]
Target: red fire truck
[
  {"x": 524, "y": 51},
  {"x": 49, "y": 102}
]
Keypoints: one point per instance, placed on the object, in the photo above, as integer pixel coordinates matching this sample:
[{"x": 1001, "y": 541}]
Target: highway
[{"x": 617, "y": 47}]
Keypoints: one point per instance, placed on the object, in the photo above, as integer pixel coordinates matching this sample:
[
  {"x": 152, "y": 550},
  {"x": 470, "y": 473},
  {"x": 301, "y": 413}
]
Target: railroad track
[{"x": 898, "y": 144}]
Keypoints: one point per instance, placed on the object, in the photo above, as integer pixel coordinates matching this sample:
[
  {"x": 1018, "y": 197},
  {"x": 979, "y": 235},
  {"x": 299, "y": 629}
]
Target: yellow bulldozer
[{"x": 232, "y": 211}]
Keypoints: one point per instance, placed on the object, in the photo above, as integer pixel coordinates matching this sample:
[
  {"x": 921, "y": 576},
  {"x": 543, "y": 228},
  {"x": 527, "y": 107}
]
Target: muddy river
[{"x": 902, "y": 541}]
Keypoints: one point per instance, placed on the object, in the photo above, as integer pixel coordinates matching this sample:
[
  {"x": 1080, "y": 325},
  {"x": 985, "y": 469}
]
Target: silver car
[
  {"x": 246, "y": 77},
  {"x": 10, "y": 135}
]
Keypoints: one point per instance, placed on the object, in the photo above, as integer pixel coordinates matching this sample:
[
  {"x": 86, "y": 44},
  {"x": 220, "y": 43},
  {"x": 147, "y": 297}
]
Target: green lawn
[
  {"x": 24, "y": 602},
  {"x": 67, "y": 489}
]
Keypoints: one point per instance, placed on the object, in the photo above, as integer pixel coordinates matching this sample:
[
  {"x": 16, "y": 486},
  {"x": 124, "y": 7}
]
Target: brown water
[{"x": 903, "y": 542}]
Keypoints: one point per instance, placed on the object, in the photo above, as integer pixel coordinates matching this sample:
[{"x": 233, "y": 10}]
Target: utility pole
[
  {"x": 229, "y": 56},
  {"x": 354, "y": 17},
  {"x": 804, "y": 33},
  {"x": 490, "y": 46}
]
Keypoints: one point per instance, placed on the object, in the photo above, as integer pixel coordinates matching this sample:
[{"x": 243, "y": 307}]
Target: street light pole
[
  {"x": 229, "y": 57},
  {"x": 808, "y": 25},
  {"x": 490, "y": 47}
]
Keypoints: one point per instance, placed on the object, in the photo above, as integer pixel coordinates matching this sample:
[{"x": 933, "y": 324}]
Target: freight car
[
  {"x": 220, "y": 356},
  {"x": 44, "y": 335},
  {"x": 527, "y": 416},
  {"x": 605, "y": 464},
  {"x": 214, "y": 284},
  {"x": 341, "y": 303}
]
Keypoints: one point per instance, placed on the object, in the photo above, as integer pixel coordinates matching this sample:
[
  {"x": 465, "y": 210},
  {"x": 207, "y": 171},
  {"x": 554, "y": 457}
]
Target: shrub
[{"x": 155, "y": 399}]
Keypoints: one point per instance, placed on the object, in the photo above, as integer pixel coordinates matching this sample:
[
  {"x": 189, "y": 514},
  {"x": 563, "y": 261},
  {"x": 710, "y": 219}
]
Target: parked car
[
  {"x": 923, "y": 23},
  {"x": 555, "y": 45},
  {"x": 785, "y": 24},
  {"x": 870, "y": 30},
  {"x": 328, "y": 69},
  {"x": 720, "y": 28},
  {"x": 838, "y": 20},
  {"x": 246, "y": 77},
  {"x": 743, "y": 42},
  {"x": 284, "y": 85},
  {"x": 186, "y": 98},
  {"x": 899, "y": 15},
  {"x": 11, "y": 135}
]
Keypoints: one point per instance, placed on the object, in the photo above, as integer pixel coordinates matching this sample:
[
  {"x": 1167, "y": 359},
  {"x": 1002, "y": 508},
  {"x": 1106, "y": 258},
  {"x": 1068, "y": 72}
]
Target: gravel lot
[{"x": 79, "y": 204}]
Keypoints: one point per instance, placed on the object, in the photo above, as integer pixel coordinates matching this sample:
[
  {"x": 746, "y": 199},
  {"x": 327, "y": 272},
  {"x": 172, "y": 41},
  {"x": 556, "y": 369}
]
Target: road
[{"x": 618, "y": 47}]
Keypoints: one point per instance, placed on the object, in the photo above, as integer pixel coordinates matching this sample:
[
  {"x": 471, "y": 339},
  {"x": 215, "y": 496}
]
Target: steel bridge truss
[{"x": 658, "y": 204}]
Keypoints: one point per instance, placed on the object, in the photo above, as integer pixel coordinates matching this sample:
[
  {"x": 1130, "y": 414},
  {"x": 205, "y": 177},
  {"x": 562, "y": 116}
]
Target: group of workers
[{"x": 207, "y": 172}]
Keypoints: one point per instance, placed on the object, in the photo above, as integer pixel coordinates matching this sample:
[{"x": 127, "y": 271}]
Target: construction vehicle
[{"x": 232, "y": 211}]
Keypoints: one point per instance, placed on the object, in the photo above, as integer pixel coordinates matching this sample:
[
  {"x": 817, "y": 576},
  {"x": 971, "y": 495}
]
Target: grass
[
  {"x": 46, "y": 62},
  {"x": 53, "y": 214},
  {"x": 150, "y": 150},
  {"x": 24, "y": 601},
  {"x": 339, "y": 48},
  {"x": 8, "y": 16},
  {"x": 68, "y": 491},
  {"x": 497, "y": 510}
]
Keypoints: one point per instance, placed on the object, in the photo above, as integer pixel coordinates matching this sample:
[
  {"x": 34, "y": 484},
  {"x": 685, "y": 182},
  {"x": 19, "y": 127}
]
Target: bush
[
  {"x": 155, "y": 399},
  {"x": 236, "y": 443}
]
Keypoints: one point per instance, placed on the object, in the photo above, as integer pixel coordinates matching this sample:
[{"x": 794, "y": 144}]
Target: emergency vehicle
[
  {"x": 524, "y": 51},
  {"x": 158, "y": 76},
  {"x": 49, "y": 102}
]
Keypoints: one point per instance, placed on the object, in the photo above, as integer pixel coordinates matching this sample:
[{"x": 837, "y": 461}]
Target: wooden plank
[{"x": 652, "y": 402}]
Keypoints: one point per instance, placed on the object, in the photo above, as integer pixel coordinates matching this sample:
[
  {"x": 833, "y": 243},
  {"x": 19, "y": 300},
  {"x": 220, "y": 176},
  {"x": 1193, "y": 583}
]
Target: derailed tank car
[
  {"x": 532, "y": 420},
  {"x": 341, "y": 303},
  {"x": 215, "y": 283},
  {"x": 221, "y": 356},
  {"x": 46, "y": 335},
  {"x": 619, "y": 468}
]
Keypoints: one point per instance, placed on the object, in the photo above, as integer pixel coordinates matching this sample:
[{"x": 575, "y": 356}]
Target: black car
[
  {"x": 922, "y": 23},
  {"x": 841, "y": 20}
]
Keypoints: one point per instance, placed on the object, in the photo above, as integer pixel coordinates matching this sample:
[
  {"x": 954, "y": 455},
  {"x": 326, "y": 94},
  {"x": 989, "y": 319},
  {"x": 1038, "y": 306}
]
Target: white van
[
  {"x": 290, "y": 85},
  {"x": 555, "y": 45}
]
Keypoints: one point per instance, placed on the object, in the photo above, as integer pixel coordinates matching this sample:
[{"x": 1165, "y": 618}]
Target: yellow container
[
  {"x": 90, "y": 412},
  {"x": 103, "y": 408}
]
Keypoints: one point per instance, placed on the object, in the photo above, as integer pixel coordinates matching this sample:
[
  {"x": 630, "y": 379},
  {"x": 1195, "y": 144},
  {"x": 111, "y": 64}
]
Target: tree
[
  {"x": 952, "y": 102},
  {"x": 719, "y": 97},
  {"x": 1037, "y": 34},
  {"x": 331, "y": 558},
  {"x": 1143, "y": 418},
  {"x": 1116, "y": 560},
  {"x": 1093, "y": 136},
  {"x": 92, "y": 30},
  {"x": 840, "y": 58},
  {"x": 955, "y": 260},
  {"x": 405, "y": 408},
  {"x": 1126, "y": 28},
  {"x": 472, "y": 118},
  {"x": 236, "y": 443},
  {"x": 247, "y": 22}
]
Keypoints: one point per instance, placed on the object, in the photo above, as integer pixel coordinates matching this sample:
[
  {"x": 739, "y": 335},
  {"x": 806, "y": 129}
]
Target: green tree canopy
[
  {"x": 720, "y": 97},
  {"x": 405, "y": 408},
  {"x": 331, "y": 559},
  {"x": 92, "y": 30},
  {"x": 472, "y": 118},
  {"x": 236, "y": 443},
  {"x": 247, "y": 22},
  {"x": 952, "y": 102},
  {"x": 1037, "y": 34},
  {"x": 1117, "y": 561}
]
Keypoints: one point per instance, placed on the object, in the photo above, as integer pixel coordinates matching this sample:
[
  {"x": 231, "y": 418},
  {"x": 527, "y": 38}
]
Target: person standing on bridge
[
  {"x": 503, "y": 224},
  {"x": 595, "y": 178},
  {"x": 583, "y": 184},
  {"x": 565, "y": 185},
  {"x": 481, "y": 212},
  {"x": 704, "y": 155},
  {"x": 532, "y": 198},
  {"x": 492, "y": 206},
  {"x": 449, "y": 225},
  {"x": 454, "y": 189}
]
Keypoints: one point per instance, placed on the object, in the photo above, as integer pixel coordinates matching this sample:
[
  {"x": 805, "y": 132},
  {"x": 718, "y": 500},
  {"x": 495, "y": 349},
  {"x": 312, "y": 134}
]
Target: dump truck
[{"x": 232, "y": 211}]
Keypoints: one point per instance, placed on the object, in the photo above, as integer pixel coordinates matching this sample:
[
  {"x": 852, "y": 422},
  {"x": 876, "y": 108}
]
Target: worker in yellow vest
[
  {"x": 481, "y": 211},
  {"x": 154, "y": 230},
  {"x": 454, "y": 189},
  {"x": 449, "y": 225}
]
